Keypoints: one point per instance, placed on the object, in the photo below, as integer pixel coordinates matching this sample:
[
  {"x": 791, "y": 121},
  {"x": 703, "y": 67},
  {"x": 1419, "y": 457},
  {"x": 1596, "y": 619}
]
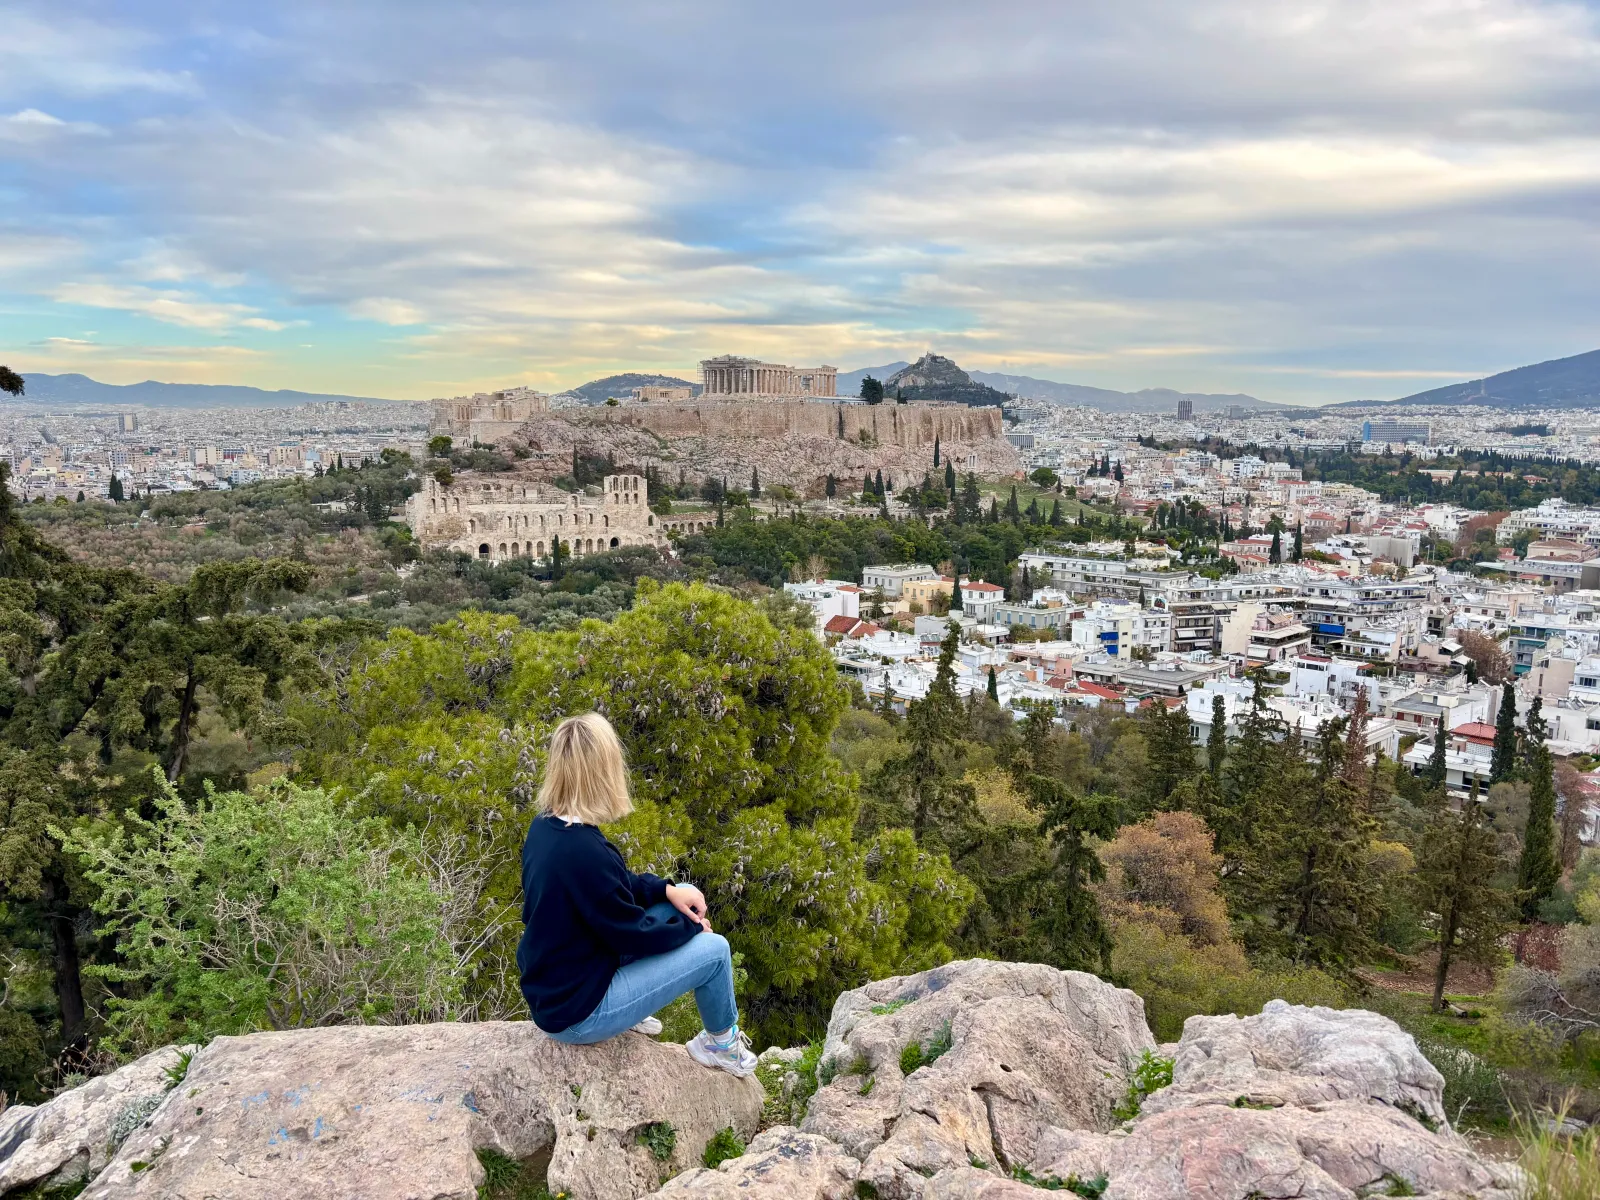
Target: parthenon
[{"x": 748, "y": 378}]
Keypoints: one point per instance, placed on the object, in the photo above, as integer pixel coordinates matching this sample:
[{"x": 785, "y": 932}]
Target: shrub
[
  {"x": 660, "y": 1138},
  {"x": 724, "y": 1144},
  {"x": 272, "y": 910},
  {"x": 1151, "y": 1075}
]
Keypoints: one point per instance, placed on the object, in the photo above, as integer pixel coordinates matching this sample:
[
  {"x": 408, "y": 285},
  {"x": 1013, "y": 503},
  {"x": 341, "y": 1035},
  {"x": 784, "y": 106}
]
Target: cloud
[
  {"x": 170, "y": 307},
  {"x": 1223, "y": 195}
]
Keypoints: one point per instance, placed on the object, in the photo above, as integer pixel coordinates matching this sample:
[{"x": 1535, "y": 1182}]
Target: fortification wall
[{"x": 896, "y": 424}]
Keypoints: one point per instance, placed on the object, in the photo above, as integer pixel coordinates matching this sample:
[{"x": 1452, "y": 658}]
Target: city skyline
[{"x": 1307, "y": 203}]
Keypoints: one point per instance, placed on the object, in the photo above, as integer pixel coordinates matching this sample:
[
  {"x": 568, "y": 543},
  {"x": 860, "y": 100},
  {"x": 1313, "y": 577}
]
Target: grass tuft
[
  {"x": 1151, "y": 1075},
  {"x": 1558, "y": 1167},
  {"x": 724, "y": 1144}
]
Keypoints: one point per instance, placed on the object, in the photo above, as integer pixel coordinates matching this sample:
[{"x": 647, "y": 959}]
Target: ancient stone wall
[
  {"x": 797, "y": 443},
  {"x": 497, "y": 518}
]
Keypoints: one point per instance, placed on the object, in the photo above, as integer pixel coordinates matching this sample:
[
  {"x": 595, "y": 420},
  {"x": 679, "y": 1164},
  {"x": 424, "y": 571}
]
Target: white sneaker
[
  {"x": 650, "y": 1027},
  {"x": 736, "y": 1059}
]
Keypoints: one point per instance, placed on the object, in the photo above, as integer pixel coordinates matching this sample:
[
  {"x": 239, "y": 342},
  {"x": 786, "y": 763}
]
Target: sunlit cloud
[{"x": 170, "y": 307}]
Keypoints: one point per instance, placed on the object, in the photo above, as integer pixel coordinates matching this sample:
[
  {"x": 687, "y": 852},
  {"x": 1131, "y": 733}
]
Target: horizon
[{"x": 1312, "y": 204}]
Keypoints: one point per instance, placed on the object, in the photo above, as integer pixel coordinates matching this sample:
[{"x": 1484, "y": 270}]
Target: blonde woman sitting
[{"x": 603, "y": 949}]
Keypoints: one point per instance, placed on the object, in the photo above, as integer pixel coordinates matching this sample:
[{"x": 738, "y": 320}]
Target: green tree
[
  {"x": 1055, "y": 514},
  {"x": 1437, "y": 771},
  {"x": 1217, "y": 739},
  {"x": 1537, "y": 869},
  {"x": 274, "y": 910},
  {"x": 971, "y": 502},
  {"x": 831, "y": 487},
  {"x": 10, "y": 382},
  {"x": 1299, "y": 542},
  {"x": 1503, "y": 761},
  {"x": 440, "y": 447},
  {"x": 1013, "y": 513},
  {"x": 755, "y": 483},
  {"x": 1070, "y": 920},
  {"x": 1457, "y": 861},
  {"x": 993, "y": 687},
  {"x": 1275, "y": 552},
  {"x": 871, "y": 390},
  {"x": 950, "y": 477},
  {"x": 1171, "y": 759},
  {"x": 114, "y": 491},
  {"x": 935, "y": 450}
]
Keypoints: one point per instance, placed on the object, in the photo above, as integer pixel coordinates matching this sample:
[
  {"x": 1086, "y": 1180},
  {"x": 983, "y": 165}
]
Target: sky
[{"x": 1308, "y": 202}]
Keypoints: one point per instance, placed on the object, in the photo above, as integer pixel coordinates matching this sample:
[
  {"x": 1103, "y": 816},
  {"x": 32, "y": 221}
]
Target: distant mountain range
[
  {"x": 80, "y": 389},
  {"x": 597, "y": 391},
  {"x": 1560, "y": 383},
  {"x": 1050, "y": 391}
]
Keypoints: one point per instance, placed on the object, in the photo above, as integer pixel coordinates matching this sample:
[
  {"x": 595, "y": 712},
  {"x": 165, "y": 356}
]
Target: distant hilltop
[
  {"x": 1560, "y": 383},
  {"x": 598, "y": 391},
  {"x": 938, "y": 373},
  {"x": 80, "y": 389}
]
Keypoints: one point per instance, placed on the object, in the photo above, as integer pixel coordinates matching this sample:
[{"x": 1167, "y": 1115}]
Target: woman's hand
[{"x": 690, "y": 901}]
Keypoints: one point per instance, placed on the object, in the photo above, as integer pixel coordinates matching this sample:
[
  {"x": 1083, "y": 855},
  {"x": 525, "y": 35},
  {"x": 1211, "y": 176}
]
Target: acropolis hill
[{"x": 784, "y": 422}]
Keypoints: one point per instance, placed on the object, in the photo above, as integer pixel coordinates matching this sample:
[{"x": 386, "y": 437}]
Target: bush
[
  {"x": 272, "y": 910},
  {"x": 1179, "y": 980},
  {"x": 724, "y": 1144}
]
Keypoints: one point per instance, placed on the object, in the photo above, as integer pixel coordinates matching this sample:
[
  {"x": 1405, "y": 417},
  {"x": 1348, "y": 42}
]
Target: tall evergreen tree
[
  {"x": 1055, "y": 514},
  {"x": 1013, "y": 512},
  {"x": 994, "y": 687},
  {"x": 1503, "y": 762},
  {"x": 1537, "y": 869},
  {"x": 755, "y": 483},
  {"x": 1074, "y": 933},
  {"x": 971, "y": 502},
  {"x": 1169, "y": 754},
  {"x": 877, "y": 483},
  {"x": 114, "y": 490},
  {"x": 1275, "y": 554},
  {"x": 1299, "y": 542},
  {"x": 936, "y": 449},
  {"x": 1437, "y": 771},
  {"x": 950, "y": 477},
  {"x": 1457, "y": 859},
  {"x": 1217, "y": 739},
  {"x": 866, "y": 485},
  {"x": 831, "y": 487}
]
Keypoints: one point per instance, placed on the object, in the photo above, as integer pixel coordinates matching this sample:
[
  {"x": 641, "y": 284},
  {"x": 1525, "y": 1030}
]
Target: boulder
[
  {"x": 74, "y": 1135},
  {"x": 1029, "y": 1048},
  {"x": 397, "y": 1112},
  {"x": 781, "y": 1164},
  {"x": 1334, "y": 1151},
  {"x": 1289, "y": 1054}
]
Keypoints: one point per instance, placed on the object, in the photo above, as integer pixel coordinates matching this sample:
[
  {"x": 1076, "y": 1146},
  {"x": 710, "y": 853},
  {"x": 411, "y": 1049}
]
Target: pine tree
[
  {"x": 994, "y": 687},
  {"x": 1437, "y": 771},
  {"x": 936, "y": 450},
  {"x": 1070, "y": 921},
  {"x": 1217, "y": 739},
  {"x": 1353, "y": 769},
  {"x": 1169, "y": 754},
  {"x": 1537, "y": 869},
  {"x": 971, "y": 502},
  {"x": 886, "y": 700},
  {"x": 1504, "y": 759},
  {"x": 1457, "y": 860}
]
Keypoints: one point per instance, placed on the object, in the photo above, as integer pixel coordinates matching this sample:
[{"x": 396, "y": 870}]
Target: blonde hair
[{"x": 585, "y": 777}]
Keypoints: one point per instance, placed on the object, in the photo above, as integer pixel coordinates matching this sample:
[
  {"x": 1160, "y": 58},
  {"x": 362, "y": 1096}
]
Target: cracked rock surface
[
  {"x": 73, "y": 1136},
  {"x": 397, "y": 1113},
  {"x": 781, "y": 1164}
]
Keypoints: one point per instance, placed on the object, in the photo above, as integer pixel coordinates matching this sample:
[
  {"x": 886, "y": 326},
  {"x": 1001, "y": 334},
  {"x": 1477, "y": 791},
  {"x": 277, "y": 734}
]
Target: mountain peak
[{"x": 931, "y": 370}]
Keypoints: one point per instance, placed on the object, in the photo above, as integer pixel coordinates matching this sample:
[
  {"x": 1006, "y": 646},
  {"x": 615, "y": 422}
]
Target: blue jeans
[{"x": 644, "y": 986}]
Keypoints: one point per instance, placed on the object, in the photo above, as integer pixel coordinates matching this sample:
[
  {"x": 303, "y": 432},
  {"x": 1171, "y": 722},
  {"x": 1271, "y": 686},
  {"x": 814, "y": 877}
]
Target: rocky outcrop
[
  {"x": 1015, "y": 1049},
  {"x": 781, "y": 1164},
  {"x": 973, "y": 1081},
  {"x": 388, "y": 1113},
  {"x": 73, "y": 1136}
]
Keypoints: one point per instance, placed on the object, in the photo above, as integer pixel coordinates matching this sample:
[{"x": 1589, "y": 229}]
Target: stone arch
[
  {"x": 614, "y": 543},
  {"x": 515, "y": 553},
  {"x": 483, "y": 550},
  {"x": 541, "y": 550},
  {"x": 502, "y": 549},
  {"x": 650, "y": 520},
  {"x": 472, "y": 524},
  {"x": 605, "y": 521}
]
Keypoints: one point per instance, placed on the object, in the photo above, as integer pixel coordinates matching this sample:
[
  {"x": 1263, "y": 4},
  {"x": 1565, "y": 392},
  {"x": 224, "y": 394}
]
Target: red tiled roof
[
  {"x": 841, "y": 624},
  {"x": 1096, "y": 689},
  {"x": 980, "y": 586},
  {"x": 866, "y": 629},
  {"x": 1475, "y": 731}
]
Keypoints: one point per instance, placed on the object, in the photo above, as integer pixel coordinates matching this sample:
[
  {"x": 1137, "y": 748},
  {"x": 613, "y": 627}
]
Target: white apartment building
[
  {"x": 828, "y": 598},
  {"x": 890, "y": 578},
  {"x": 1553, "y": 519},
  {"x": 1118, "y": 628}
]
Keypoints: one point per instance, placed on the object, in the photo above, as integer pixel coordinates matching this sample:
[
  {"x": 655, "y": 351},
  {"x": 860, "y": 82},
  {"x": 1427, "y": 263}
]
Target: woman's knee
[{"x": 712, "y": 946}]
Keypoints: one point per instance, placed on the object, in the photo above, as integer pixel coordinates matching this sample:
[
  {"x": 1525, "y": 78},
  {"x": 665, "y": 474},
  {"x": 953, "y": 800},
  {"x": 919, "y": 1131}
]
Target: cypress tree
[
  {"x": 831, "y": 487},
  {"x": 1537, "y": 870},
  {"x": 1013, "y": 513},
  {"x": 755, "y": 483},
  {"x": 950, "y": 477},
  {"x": 1217, "y": 740},
  {"x": 114, "y": 490},
  {"x": 936, "y": 449},
  {"x": 1457, "y": 858},
  {"x": 994, "y": 687},
  {"x": 866, "y": 484},
  {"x": 1299, "y": 543},
  {"x": 1504, "y": 760},
  {"x": 877, "y": 483},
  {"x": 1437, "y": 772},
  {"x": 1275, "y": 554},
  {"x": 1055, "y": 514}
]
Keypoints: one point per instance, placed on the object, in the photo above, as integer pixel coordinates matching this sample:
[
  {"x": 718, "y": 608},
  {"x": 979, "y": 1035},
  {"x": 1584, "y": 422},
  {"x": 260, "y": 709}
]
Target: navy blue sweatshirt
[{"x": 583, "y": 912}]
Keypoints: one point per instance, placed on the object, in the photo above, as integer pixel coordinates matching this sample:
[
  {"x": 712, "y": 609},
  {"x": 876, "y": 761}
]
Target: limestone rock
[
  {"x": 1333, "y": 1151},
  {"x": 969, "y": 1183},
  {"x": 1030, "y": 1047},
  {"x": 781, "y": 1164},
  {"x": 391, "y": 1113},
  {"x": 1289, "y": 1054},
  {"x": 73, "y": 1135}
]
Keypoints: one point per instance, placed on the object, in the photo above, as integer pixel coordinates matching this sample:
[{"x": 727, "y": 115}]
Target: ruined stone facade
[
  {"x": 658, "y": 394},
  {"x": 486, "y": 416},
  {"x": 750, "y": 379},
  {"x": 798, "y": 443},
  {"x": 502, "y": 517}
]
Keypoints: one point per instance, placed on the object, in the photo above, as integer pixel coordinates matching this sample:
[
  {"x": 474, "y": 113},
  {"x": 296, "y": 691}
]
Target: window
[{"x": 1592, "y": 723}]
